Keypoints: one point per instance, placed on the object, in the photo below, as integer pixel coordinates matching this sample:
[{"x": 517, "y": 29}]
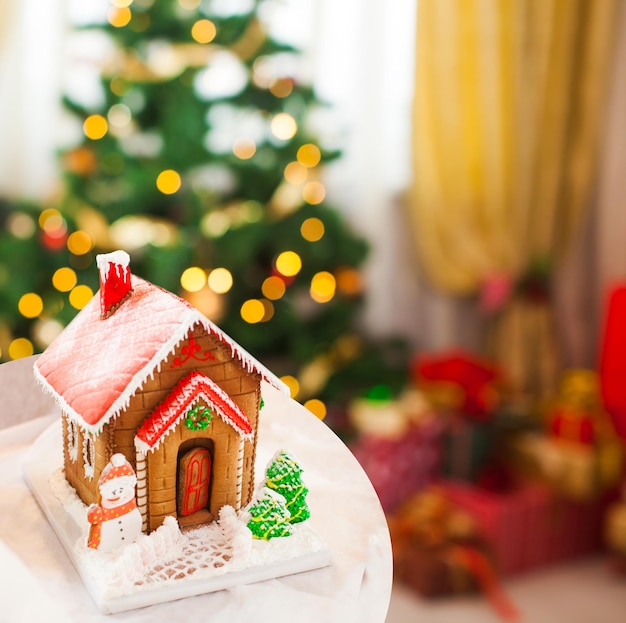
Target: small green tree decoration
[
  {"x": 269, "y": 517},
  {"x": 284, "y": 476}
]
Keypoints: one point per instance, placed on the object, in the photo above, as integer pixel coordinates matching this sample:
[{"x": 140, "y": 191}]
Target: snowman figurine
[{"x": 116, "y": 520}]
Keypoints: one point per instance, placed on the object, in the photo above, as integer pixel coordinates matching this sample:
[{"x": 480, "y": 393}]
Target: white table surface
[{"x": 38, "y": 582}]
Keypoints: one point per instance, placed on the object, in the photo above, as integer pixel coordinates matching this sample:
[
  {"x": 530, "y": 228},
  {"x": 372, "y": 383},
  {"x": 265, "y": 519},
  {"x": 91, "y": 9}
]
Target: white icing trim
[
  {"x": 72, "y": 439},
  {"x": 105, "y": 260},
  {"x": 142, "y": 446},
  {"x": 240, "y": 473},
  {"x": 89, "y": 448},
  {"x": 142, "y": 489}
]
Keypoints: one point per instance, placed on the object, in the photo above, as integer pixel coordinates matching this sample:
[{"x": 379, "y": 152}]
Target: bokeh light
[
  {"x": 44, "y": 331},
  {"x": 168, "y": 181},
  {"x": 193, "y": 279},
  {"x": 282, "y": 87},
  {"x": 80, "y": 296},
  {"x": 244, "y": 148},
  {"x": 30, "y": 305},
  {"x": 295, "y": 173},
  {"x": 119, "y": 115},
  {"x": 20, "y": 347},
  {"x": 292, "y": 383},
  {"x": 189, "y": 5},
  {"x": 349, "y": 280},
  {"x": 79, "y": 243},
  {"x": 288, "y": 263},
  {"x": 284, "y": 126},
  {"x": 316, "y": 407},
  {"x": 273, "y": 288},
  {"x": 309, "y": 155},
  {"x": 20, "y": 225},
  {"x": 312, "y": 229},
  {"x": 64, "y": 279},
  {"x": 119, "y": 17},
  {"x": 95, "y": 127},
  {"x": 203, "y": 31},
  {"x": 51, "y": 221},
  {"x": 314, "y": 192},
  {"x": 220, "y": 280},
  {"x": 323, "y": 286},
  {"x": 253, "y": 311}
]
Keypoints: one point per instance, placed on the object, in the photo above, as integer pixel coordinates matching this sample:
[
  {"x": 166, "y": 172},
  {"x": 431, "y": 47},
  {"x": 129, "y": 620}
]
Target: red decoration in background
[
  {"x": 474, "y": 377},
  {"x": 612, "y": 365}
]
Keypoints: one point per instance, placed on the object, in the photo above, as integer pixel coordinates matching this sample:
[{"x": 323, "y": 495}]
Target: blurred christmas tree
[{"x": 203, "y": 162}]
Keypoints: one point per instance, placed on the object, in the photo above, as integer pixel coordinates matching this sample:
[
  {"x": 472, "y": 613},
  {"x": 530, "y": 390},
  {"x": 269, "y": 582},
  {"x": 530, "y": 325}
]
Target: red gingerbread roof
[
  {"x": 182, "y": 398},
  {"x": 96, "y": 364}
]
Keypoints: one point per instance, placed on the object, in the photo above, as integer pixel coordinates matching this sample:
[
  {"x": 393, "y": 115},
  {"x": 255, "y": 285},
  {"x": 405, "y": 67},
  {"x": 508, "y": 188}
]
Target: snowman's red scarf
[{"x": 98, "y": 515}]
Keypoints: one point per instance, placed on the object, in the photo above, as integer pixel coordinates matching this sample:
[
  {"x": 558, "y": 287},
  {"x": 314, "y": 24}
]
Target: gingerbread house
[{"x": 141, "y": 372}]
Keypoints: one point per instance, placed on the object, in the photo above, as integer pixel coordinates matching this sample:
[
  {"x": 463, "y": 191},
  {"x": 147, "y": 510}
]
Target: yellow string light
[
  {"x": 295, "y": 173},
  {"x": 80, "y": 296},
  {"x": 288, "y": 263},
  {"x": 253, "y": 311},
  {"x": 314, "y": 192},
  {"x": 292, "y": 383},
  {"x": 316, "y": 407},
  {"x": 284, "y": 126},
  {"x": 95, "y": 127},
  {"x": 323, "y": 287},
  {"x": 203, "y": 31},
  {"x": 64, "y": 279},
  {"x": 312, "y": 229},
  {"x": 79, "y": 243},
  {"x": 273, "y": 288},
  {"x": 30, "y": 305},
  {"x": 309, "y": 155},
  {"x": 51, "y": 221},
  {"x": 220, "y": 280},
  {"x": 168, "y": 181},
  {"x": 20, "y": 347},
  {"x": 193, "y": 279},
  {"x": 119, "y": 17}
]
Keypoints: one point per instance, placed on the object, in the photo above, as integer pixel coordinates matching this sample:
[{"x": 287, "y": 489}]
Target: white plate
[{"x": 45, "y": 458}]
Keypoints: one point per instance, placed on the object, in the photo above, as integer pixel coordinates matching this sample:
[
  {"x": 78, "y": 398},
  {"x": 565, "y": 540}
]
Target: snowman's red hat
[{"x": 118, "y": 467}]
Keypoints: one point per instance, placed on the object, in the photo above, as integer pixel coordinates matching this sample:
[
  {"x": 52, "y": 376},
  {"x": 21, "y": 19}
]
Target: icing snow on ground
[{"x": 168, "y": 556}]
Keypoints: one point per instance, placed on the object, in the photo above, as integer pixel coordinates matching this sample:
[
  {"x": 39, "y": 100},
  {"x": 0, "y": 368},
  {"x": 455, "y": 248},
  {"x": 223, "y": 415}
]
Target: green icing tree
[
  {"x": 269, "y": 517},
  {"x": 284, "y": 476}
]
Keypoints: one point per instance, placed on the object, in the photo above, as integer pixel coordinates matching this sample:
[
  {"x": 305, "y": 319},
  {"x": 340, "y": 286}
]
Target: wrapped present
[
  {"x": 438, "y": 550},
  {"x": 458, "y": 381},
  {"x": 467, "y": 447},
  {"x": 577, "y": 453},
  {"x": 398, "y": 443},
  {"x": 529, "y": 526},
  {"x": 400, "y": 466}
]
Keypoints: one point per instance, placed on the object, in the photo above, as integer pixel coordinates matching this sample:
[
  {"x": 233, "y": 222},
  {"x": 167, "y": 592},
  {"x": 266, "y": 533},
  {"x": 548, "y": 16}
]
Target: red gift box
[
  {"x": 530, "y": 527},
  {"x": 399, "y": 467}
]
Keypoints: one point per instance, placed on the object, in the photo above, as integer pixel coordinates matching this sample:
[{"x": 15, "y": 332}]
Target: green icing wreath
[{"x": 198, "y": 418}]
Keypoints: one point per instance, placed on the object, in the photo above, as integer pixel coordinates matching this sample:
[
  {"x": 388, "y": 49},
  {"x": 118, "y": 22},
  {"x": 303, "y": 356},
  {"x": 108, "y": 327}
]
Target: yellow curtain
[{"x": 509, "y": 97}]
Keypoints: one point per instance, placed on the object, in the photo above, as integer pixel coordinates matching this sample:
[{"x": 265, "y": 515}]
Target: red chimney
[{"x": 114, "y": 281}]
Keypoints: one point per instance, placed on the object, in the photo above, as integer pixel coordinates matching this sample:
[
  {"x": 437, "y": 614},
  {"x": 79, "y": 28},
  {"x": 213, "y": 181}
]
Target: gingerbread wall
[
  {"x": 204, "y": 353},
  {"x": 162, "y": 470}
]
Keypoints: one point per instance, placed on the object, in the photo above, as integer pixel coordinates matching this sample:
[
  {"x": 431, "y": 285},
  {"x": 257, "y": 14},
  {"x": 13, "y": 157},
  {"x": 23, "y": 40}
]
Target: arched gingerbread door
[{"x": 194, "y": 481}]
